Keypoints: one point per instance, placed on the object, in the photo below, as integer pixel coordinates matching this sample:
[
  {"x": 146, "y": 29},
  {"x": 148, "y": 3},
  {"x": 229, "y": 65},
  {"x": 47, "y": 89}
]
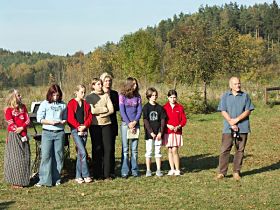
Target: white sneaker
[
  {"x": 148, "y": 173},
  {"x": 159, "y": 173},
  {"x": 88, "y": 180},
  {"x": 79, "y": 180},
  {"x": 177, "y": 173},
  {"x": 170, "y": 172},
  {"x": 38, "y": 185}
]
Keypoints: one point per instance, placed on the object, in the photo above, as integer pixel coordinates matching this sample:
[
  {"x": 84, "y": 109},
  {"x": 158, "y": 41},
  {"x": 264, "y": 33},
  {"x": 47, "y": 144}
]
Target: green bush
[
  {"x": 195, "y": 103},
  {"x": 2, "y": 121}
]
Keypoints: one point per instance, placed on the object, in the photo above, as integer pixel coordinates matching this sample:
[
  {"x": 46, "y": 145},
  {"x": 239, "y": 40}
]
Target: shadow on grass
[
  {"x": 69, "y": 170},
  {"x": 191, "y": 164},
  {"x": 272, "y": 167},
  {"x": 6, "y": 204},
  {"x": 199, "y": 163}
]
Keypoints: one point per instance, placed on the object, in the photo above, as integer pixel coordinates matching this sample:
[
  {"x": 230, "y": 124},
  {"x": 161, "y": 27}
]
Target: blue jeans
[
  {"x": 81, "y": 165},
  {"x": 133, "y": 162},
  {"x": 52, "y": 145}
]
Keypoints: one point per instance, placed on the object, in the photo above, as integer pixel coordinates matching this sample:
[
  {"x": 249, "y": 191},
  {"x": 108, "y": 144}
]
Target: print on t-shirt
[{"x": 153, "y": 116}]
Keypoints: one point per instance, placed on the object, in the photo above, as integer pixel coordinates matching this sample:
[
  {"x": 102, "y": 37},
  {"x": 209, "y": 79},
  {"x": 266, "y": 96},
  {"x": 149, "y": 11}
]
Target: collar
[
  {"x": 98, "y": 92},
  {"x": 168, "y": 104},
  {"x": 240, "y": 93}
]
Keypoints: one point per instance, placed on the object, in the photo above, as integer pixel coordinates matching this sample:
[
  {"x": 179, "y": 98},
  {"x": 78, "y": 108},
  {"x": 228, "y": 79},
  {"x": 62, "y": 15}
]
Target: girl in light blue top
[{"x": 52, "y": 114}]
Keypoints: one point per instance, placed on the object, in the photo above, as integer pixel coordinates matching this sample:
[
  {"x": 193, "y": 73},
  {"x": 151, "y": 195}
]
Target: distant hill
[
  {"x": 222, "y": 40},
  {"x": 7, "y": 57}
]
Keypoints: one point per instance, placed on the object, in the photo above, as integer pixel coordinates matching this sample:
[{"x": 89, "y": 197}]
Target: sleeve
[
  {"x": 222, "y": 105},
  {"x": 88, "y": 117},
  {"x": 115, "y": 101},
  {"x": 98, "y": 110},
  {"x": 9, "y": 118},
  {"x": 146, "y": 120},
  {"x": 162, "y": 125},
  {"x": 147, "y": 126},
  {"x": 64, "y": 112},
  {"x": 122, "y": 109},
  {"x": 166, "y": 114},
  {"x": 162, "y": 121},
  {"x": 139, "y": 109},
  {"x": 183, "y": 117},
  {"x": 41, "y": 113},
  {"x": 249, "y": 106},
  {"x": 109, "y": 105},
  {"x": 71, "y": 116},
  {"x": 26, "y": 117}
]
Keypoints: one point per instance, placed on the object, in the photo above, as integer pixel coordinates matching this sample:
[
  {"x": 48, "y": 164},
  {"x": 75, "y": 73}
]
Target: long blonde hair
[
  {"x": 12, "y": 101},
  {"x": 105, "y": 75}
]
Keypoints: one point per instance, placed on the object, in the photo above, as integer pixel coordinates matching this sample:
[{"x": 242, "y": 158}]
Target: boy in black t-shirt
[{"x": 154, "y": 122}]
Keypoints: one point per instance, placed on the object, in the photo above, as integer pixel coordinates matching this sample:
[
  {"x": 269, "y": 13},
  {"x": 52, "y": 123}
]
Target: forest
[{"x": 194, "y": 49}]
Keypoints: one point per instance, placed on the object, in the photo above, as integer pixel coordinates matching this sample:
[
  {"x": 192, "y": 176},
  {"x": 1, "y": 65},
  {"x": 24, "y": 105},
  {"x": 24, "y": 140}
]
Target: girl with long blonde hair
[{"x": 17, "y": 149}]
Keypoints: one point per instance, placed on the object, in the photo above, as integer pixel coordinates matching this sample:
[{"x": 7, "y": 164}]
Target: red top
[
  {"x": 71, "y": 110},
  {"x": 175, "y": 116},
  {"x": 17, "y": 118}
]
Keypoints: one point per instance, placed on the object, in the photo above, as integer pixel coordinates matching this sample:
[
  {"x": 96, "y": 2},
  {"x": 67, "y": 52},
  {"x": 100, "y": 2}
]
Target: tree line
[{"x": 188, "y": 48}]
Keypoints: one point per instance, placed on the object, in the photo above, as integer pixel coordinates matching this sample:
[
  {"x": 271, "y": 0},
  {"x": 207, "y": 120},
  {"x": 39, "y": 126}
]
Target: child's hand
[
  {"x": 158, "y": 137},
  {"x": 132, "y": 124},
  {"x": 62, "y": 122},
  {"x": 81, "y": 128},
  {"x": 53, "y": 122},
  {"x": 133, "y": 130},
  {"x": 171, "y": 127},
  {"x": 153, "y": 135},
  {"x": 177, "y": 128},
  {"x": 19, "y": 129}
]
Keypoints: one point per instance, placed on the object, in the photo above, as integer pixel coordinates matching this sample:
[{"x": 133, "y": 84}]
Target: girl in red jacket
[
  {"x": 17, "y": 150},
  {"x": 79, "y": 119},
  {"x": 176, "y": 119}
]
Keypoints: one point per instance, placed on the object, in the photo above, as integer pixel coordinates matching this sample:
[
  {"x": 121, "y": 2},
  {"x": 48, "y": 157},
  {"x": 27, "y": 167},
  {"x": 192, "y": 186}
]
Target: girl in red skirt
[{"x": 176, "y": 119}]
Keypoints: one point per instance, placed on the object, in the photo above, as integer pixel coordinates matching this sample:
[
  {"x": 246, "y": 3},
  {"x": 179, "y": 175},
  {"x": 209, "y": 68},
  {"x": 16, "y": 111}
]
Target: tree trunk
[
  {"x": 175, "y": 83},
  {"x": 205, "y": 94}
]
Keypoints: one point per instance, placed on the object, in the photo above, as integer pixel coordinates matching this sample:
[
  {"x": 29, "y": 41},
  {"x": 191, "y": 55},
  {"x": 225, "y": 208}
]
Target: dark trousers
[
  {"x": 101, "y": 141},
  {"x": 227, "y": 142},
  {"x": 113, "y": 159}
]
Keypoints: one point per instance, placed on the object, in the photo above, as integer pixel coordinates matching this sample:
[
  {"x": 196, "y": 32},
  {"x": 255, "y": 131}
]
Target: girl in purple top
[{"x": 130, "y": 109}]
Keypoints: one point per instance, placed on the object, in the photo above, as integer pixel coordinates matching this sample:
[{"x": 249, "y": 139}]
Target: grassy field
[{"x": 195, "y": 189}]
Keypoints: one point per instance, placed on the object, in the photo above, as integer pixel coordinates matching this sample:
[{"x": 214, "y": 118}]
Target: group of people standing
[{"x": 95, "y": 114}]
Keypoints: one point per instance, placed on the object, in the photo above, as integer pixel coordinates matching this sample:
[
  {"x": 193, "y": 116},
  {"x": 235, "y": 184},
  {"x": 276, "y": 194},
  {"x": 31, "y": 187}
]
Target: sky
[{"x": 67, "y": 26}]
